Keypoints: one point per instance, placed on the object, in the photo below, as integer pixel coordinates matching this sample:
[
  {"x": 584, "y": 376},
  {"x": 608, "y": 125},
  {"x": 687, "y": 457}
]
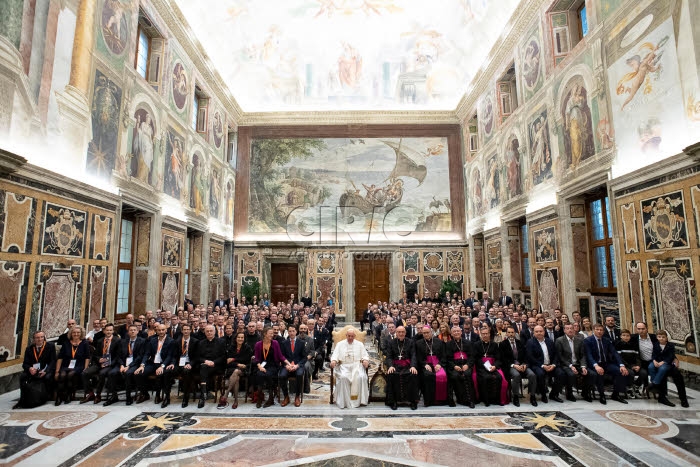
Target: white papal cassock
[{"x": 351, "y": 386}]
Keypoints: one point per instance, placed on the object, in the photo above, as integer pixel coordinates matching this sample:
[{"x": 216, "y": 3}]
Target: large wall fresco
[{"x": 350, "y": 185}]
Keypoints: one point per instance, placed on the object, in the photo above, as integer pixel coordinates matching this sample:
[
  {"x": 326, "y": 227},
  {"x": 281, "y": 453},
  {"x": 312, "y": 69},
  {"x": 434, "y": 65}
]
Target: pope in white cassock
[{"x": 349, "y": 360}]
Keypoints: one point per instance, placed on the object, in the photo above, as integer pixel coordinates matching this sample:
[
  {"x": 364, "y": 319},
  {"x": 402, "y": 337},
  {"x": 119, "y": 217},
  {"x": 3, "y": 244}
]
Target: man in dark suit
[
  {"x": 387, "y": 337},
  {"x": 611, "y": 332},
  {"x": 175, "y": 329},
  {"x": 661, "y": 367},
  {"x": 211, "y": 356},
  {"x": 106, "y": 351},
  {"x": 232, "y": 301},
  {"x": 602, "y": 359},
  {"x": 550, "y": 330},
  {"x": 124, "y": 328},
  {"x": 643, "y": 342},
  {"x": 295, "y": 351},
  {"x": 412, "y": 329},
  {"x": 184, "y": 356},
  {"x": 572, "y": 359},
  {"x": 528, "y": 332},
  {"x": 513, "y": 358},
  {"x": 542, "y": 359},
  {"x": 158, "y": 357},
  {"x": 505, "y": 300},
  {"x": 485, "y": 302},
  {"x": 469, "y": 302},
  {"x": 132, "y": 351},
  {"x": 468, "y": 333},
  {"x": 221, "y": 302},
  {"x": 39, "y": 364}
]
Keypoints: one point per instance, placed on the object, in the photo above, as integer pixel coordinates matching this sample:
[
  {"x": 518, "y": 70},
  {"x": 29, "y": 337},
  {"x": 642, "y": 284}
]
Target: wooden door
[
  {"x": 371, "y": 282},
  {"x": 285, "y": 281}
]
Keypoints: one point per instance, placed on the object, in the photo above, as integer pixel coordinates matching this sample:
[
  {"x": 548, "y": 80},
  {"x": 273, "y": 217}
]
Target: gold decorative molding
[{"x": 349, "y": 117}]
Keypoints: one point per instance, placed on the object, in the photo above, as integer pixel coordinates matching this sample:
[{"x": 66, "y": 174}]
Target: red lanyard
[{"x": 37, "y": 357}]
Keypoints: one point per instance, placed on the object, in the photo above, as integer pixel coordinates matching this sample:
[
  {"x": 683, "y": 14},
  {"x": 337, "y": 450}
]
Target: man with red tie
[{"x": 294, "y": 349}]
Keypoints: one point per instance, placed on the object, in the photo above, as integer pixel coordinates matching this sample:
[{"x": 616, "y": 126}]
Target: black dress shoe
[
  {"x": 618, "y": 398},
  {"x": 663, "y": 400},
  {"x": 165, "y": 403},
  {"x": 684, "y": 403},
  {"x": 394, "y": 406},
  {"x": 544, "y": 398},
  {"x": 556, "y": 399},
  {"x": 58, "y": 401},
  {"x": 471, "y": 404},
  {"x": 414, "y": 405},
  {"x": 533, "y": 400},
  {"x": 587, "y": 397},
  {"x": 110, "y": 401},
  {"x": 16, "y": 406},
  {"x": 603, "y": 400},
  {"x": 516, "y": 402},
  {"x": 184, "y": 403},
  {"x": 129, "y": 401},
  {"x": 451, "y": 403},
  {"x": 570, "y": 398}
]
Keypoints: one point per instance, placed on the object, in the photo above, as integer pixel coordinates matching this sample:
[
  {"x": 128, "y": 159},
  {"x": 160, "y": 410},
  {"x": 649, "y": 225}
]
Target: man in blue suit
[
  {"x": 543, "y": 361},
  {"x": 158, "y": 358},
  {"x": 602, "y": 359},
  {"x": 295, "y": 352}
]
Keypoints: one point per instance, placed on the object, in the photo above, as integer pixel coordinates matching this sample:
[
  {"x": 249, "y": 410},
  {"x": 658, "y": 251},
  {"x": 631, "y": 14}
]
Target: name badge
[
  {"x": 37, "y": 366},
  {"x": 129, "y": 360},
  {"x": 72, "y": 363},
  {"x": 106, "y": 361},
  {"x": 157, "y": 359},
  {"x": 184, "y": 361}
]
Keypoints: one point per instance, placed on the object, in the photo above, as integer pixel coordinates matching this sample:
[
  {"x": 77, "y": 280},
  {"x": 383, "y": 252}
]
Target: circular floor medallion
[{"x": 70, "y": 420}]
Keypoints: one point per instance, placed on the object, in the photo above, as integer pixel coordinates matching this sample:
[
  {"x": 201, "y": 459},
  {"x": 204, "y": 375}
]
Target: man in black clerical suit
[
  {"x": 401, "y": 370},
  {"x": 460, "y": 363},
  {"x": 430, "y": 362}
]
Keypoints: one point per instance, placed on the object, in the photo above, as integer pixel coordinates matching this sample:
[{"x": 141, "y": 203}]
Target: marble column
[
  {"x": 154, "y": 287},
  {"x": 567, "y": 277},
  {"x": 506, "y": 283},
  {"x": 82, "y": 47}
]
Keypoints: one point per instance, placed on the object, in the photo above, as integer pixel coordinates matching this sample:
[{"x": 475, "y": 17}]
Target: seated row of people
[
  {"x": 492, "y": 373},
  {"x": 135, "y": 360}
]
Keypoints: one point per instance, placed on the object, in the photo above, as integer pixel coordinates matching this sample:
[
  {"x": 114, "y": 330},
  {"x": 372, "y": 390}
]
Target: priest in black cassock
[
  {"x": 401, "y": 370},
  {"x": 430, "y": 360},
  {"x": 492, "y": 386},
  {"x": 460, "y": 363}
]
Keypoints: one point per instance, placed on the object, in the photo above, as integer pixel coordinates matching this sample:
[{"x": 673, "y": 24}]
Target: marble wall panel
[
  {"x": 494, "y": 261},
  {"x": 433, "y": 261},
  {"x": 455, "y": 260},
  {"x": 63, "y": 231},
  {"x": 172, "y": 251},
  {"x": 579, "y": 240},
  {"x": 410, "y": 261},
  {"x": 547, "y": 288},
  {"x": 663, "y": 218},
  {"x": 170, "y": 290},
  {"x": 196, "y": 243},
  {"x": 432, "y": 284},
  {"x": 545, "y": 244},
  {"x": 13, "y": 296},
  {"x": 143, "y": 241},
  {"x": 140, "y": 291},
  {"x": 214, "y": 287},
  {"x": 97, "y": 292},
  {"x": 195, "y": 287},
  {"x": 215, "y": 255},
  {"x": 628, "y": 217},
  {"x": 479, "y": 267},
  {"x": 17, "y": 217},
  {"x": 59, "y": 297},
  {"x": 326, "y": 288},
  {"x": 636, "y": 291},
  {"x": 516, "y": 275},
  {"x": 101, "y": 238}
]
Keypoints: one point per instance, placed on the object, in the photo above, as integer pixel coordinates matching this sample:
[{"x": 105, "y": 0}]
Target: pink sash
[
  {"x": 440, "y": 379},
  {"x": 404, "y": 362},
  {"x": 460, "y": 356},
  {"x": 504, "y": 382}
]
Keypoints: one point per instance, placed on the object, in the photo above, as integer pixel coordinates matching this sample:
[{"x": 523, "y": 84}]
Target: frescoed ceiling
[{"x": 295, "y": 55}]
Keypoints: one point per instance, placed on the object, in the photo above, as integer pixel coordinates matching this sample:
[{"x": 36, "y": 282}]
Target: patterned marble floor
[{"x": 318, "y": 434}]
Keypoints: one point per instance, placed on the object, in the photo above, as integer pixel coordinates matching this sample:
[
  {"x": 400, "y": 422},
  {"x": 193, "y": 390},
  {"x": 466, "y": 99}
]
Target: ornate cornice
[
  {"x": 519, "y": 22},
  {"x": 348, "y": 117}
]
